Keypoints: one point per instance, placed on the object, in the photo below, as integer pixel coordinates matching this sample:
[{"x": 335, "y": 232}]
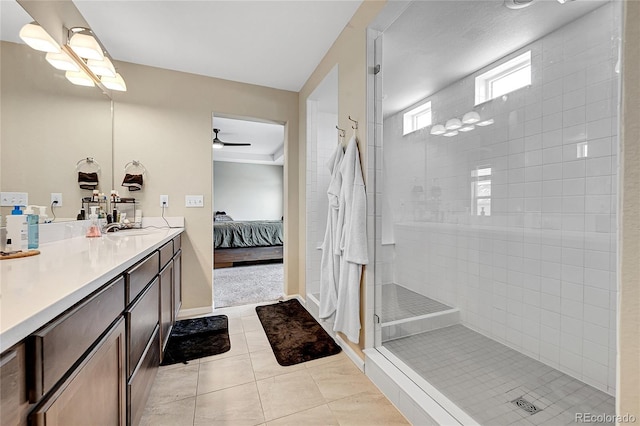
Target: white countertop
[{"x": 34, "y": 290}]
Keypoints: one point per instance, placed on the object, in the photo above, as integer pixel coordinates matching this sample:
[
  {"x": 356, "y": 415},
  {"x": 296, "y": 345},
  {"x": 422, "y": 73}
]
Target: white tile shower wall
[
  {"x": 322, "y": 137},
  {"x": 538, "y": 273}
]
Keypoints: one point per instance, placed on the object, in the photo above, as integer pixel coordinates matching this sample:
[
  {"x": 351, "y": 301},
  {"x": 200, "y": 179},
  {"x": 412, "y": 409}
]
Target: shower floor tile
[
  {"x": 483, "y": 377},
  {"x": 400, "y": 303}
]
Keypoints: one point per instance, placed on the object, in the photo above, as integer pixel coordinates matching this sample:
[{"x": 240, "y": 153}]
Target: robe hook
[
  {"x": 341, "y": 132},
  {"x": 356, "y": 123}
]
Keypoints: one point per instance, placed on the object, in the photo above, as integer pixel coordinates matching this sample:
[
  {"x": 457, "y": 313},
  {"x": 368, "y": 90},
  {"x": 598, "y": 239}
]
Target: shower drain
[{"x": 526, "y": 405}]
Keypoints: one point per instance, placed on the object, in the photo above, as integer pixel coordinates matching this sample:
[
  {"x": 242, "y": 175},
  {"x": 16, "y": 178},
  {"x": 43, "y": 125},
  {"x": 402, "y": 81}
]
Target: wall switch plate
[
  {"x": 56, "y": 196},
  {"x": 164, "y": 201},
  {"x": 194, "y": 201},
  {"x": 9, "y": 199}
]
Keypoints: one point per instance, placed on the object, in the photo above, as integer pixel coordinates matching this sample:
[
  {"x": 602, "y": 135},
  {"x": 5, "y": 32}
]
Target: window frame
[
  {"x": 485, "y": 82},
  {"x": 410, "y": 118},
  {"x": 477, "y": 178}
]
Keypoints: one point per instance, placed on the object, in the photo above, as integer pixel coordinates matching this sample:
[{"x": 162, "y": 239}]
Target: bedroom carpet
[
  {"x": 243, "y": 285},
  {"x": 197, "y": 338},
  {"x": 294, "y": 335}
]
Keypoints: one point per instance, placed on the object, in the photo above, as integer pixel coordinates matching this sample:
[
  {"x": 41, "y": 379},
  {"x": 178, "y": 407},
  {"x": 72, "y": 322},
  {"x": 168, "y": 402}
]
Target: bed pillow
[{"x": 222, "y": 218}]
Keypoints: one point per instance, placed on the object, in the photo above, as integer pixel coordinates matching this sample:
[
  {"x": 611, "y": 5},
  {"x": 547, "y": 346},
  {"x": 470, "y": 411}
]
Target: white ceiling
[
  {"x": 266, "y": 139},
  {"x": 435, "y": 43},
  {"x": 268, "y": 43},
  {"x": 279, "y": 43}
]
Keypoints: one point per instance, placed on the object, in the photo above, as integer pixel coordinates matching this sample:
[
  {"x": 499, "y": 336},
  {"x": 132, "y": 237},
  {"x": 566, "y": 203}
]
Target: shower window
[
  {"x": 481, "y": 190},
  {"x": 417, "y": 118},
  {"x": 505, "y": 78}
]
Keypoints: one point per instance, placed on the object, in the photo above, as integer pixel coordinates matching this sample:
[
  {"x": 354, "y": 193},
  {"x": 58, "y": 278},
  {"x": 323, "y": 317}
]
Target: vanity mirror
[{"x": 48, "y": 125}]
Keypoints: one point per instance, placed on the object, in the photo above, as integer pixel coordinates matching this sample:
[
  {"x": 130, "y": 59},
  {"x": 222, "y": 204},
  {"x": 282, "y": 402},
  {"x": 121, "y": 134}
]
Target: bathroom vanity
[{"x": 83, "y": 326}]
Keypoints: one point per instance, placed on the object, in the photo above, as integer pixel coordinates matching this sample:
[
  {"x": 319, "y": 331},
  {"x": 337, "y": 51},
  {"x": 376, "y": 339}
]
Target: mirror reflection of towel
[
  {"x": 133, "y": 182},
  {"x": 88, "y": 180}
]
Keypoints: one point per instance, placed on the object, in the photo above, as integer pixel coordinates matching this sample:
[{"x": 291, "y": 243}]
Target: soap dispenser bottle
[
  {"x": 33, "y": 230},
  {"x": 17, "y": 230},
  {"x": 94, "y": 227}
]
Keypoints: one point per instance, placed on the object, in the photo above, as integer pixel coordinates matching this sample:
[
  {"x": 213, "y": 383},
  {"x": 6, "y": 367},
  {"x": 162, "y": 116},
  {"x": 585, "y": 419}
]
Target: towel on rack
[
  {"x": 88, "y": 180},
  {"x": 133, "y": 182}
]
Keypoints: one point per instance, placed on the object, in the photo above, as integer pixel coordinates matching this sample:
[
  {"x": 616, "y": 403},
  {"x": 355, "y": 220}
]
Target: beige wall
[
  {"x": 349, "y": 52},
  {"x": 47, "y": 125},
  {"x": 248, "y": 191},
  {"x": 628, "y": 397},
  {"x": 164, "y": 121}
]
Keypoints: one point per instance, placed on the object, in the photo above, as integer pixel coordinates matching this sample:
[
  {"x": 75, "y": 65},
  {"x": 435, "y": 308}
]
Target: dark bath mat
[
  {"x": 294, "y": 335},
  {"x": 197, "y": 338}
]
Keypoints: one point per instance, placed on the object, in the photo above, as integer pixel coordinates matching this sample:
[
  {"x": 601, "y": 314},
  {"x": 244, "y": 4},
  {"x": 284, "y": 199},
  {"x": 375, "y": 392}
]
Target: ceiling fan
[{"x": 218, "y": 144}]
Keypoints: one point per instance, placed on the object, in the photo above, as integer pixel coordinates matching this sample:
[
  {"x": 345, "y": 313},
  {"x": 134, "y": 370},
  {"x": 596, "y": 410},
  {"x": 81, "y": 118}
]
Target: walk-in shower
[{"x": 496, "y": 197}]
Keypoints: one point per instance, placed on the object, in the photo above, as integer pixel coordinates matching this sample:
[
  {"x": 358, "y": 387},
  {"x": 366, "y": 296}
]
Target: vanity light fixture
[
  {"x": 471, "y": 117},
  {"x": 114, "y": 83},
  {"x": 84, "y": 59},
  {"x": 37, "y": 38},
  {"x": 79, "y": 78},
  {"x": 438, "y": 129},
  {"x": 485, "y": 122},
  {"x": 82, "y": 42},
  {"x": 61, "y": 61},
  {"x": 453, "y": 124},
  {"x": 102, "y": 67}
]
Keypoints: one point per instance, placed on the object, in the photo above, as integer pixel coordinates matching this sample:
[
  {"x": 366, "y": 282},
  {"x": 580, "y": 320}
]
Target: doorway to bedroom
[{"x": 248, "y": 211}]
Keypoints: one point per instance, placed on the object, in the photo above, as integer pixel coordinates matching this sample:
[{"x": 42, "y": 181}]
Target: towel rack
[
  {"x": 132, "y": 165},
  {"x": 88, "y": 162}
]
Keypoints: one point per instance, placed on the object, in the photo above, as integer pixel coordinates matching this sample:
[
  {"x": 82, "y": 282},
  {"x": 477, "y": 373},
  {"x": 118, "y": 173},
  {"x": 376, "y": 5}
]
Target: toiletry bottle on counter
[
  {"x": 33, "y": 230},
  {"x": 43, "y": 217},
  {"x": 17, "y": 230},
  {"x": 94, "y": 227}
]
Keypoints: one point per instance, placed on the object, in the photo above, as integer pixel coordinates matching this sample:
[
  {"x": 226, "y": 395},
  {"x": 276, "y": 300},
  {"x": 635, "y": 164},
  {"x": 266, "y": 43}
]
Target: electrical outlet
[
  {"x": 8, "y": 199},
  {"x": 194, "y": 201},
  {"x": 56, "y": 197},
  {"x": 164, "y": 201}
]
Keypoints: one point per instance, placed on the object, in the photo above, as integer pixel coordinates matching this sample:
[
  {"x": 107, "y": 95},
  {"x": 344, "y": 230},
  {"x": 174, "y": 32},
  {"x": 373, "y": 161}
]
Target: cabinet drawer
[
  {"x": 166, "y": 253},
  {"x": 140, "y": 275},
  {"x": 94, "y": 392},
  {"x": 13, "y": 408},
  {"x": 177, "y": 243},
  {"x": 142, "y": 319},
  {"x": 139, "y": 386},
  {"x": 177, "y": 284},
  {"x": 52, "y": 350},
  {"x": 166, "y": 308}
]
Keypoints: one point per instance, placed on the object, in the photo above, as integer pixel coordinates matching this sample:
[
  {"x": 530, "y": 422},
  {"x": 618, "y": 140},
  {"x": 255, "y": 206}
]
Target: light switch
[
  {"x": 194, "y": 201},
  {"x": 9, "y": 199}
]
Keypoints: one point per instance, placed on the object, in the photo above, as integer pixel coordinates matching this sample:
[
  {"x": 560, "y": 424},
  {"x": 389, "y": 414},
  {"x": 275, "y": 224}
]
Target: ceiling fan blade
[{"x": 235, "y": 144}]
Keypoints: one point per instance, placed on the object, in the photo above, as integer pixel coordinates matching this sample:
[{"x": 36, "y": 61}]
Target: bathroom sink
[{"x": 129, "y": 232}]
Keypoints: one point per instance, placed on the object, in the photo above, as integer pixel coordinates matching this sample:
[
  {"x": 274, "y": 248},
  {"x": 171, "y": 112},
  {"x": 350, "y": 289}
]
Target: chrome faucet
[{"x": 112, "y": 227}]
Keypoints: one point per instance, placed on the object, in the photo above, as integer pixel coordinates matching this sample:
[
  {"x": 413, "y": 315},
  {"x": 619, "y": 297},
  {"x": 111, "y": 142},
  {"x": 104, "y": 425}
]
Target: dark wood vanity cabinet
[
  {"x": 96, "y": 362},
  {"x": 166, "y": 304},
  {"x": 13, "y": 393},
  {"x": 95, "y": 391},
  {"x": 177, "y": 276}
]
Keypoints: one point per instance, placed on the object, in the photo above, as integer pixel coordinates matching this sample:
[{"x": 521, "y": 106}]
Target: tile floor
[
  {"x": 246, "y": 386},
  {"x": 483, "y": 377},
  {"x": 401, "y": 303}
]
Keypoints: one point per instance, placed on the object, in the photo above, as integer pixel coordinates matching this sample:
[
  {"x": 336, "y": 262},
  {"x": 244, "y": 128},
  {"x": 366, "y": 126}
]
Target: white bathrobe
[
  {"x": 330, "y": 264},
  {"x": 352, "y": 226}
]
